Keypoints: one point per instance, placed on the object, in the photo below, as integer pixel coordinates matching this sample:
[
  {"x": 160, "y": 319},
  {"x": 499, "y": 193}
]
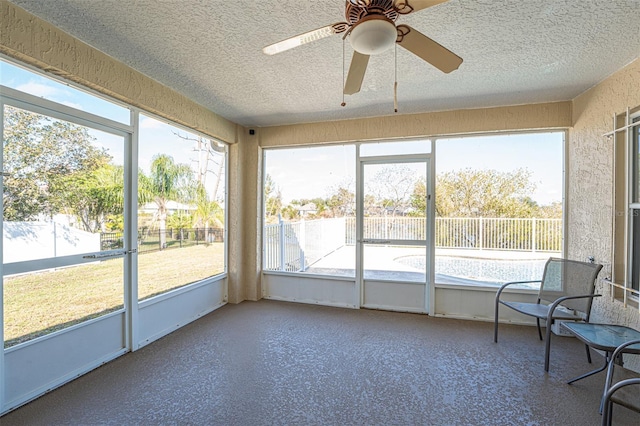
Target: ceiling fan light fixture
[{"x": 374, "y": 35}]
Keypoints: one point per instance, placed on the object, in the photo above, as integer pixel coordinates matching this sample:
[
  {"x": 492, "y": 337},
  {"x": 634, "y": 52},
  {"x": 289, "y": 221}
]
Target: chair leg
[
  {"x": 606, "y": 415},
  {"x": 495, "y": 323},
  {"x": 547, "y": 347},
  {"x": 588, "y": 353},
  {"x": 539, "y": 330}
]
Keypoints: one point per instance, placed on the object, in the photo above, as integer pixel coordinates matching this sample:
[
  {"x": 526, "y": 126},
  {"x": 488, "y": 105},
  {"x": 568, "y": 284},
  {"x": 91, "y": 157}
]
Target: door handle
[
  {"x": 104, "y": 256},
  {"x": 376, "y": 241},
  {"x": 110, "y": 254}
]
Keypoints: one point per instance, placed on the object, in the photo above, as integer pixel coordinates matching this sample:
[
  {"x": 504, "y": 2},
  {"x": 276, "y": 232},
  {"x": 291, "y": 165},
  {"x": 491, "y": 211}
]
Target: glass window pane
[
  {"x": 498, "y": 207},
  {"x": 395, "y": 204},
  {"x": 63, "y": 190},
  {"x": 394, "y": 263},
  {"x": 181, "y": 194},
  {"x": 38, "y": 85},
  {"x": 42, "y": 302},
  {"x": 309, "y": 201},
  {"x": 63, "y": 187}
]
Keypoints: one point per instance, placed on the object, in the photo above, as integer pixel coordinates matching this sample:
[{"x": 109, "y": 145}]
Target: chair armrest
[
  {"x": 612, "y": 361},
  {"x": 505, "y": 285},
  {"x": 620, "y": 384},
  {"x": 559, "y": 301},
  {"x": 623, "y": 346},
  {"x": 605, "y": 404}
]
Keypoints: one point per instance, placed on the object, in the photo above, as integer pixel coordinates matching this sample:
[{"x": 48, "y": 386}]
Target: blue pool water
[{"x": 479, "y": 271}]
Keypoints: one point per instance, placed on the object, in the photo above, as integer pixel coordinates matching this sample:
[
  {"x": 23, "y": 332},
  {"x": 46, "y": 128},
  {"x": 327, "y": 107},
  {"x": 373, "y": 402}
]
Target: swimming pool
[{"x": 464, "y": 270}]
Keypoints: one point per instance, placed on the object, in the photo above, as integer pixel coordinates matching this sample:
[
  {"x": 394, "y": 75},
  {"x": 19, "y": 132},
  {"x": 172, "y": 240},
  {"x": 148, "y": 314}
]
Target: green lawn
[{"x": 39, "y": 303}]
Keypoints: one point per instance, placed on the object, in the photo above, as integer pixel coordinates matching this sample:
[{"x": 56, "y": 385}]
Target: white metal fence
[
  {"x": 293, "y": 246},
  {"x": 527, "y": 234},
  {"x": 388, "y": 228}
]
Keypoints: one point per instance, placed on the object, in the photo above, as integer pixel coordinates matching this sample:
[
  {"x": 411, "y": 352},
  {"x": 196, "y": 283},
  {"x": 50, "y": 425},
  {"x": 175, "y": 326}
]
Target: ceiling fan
[{"x": 371, "y": 29}]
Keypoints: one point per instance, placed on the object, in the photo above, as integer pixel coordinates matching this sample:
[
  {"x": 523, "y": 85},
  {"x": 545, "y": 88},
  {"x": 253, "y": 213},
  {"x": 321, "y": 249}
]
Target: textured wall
[
  {"x": 590, "y": 175},
  {"x": 521, "y": 117},
  {"x": 38, "y": 43},
  {"x": 245, "y": 220}
]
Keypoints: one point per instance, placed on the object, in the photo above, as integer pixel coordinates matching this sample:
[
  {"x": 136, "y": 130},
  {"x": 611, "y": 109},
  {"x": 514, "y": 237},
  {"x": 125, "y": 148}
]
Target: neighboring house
[
  {"x": 307, "y": 209},
  {"x": 172, "y": 207}
]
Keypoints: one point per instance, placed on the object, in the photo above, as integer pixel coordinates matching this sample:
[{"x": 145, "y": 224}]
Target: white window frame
[{"x": 632, "y": 280}]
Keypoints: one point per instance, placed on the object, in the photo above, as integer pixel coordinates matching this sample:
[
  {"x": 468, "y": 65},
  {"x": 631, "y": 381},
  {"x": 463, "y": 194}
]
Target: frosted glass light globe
[{"x": 373, "y": 36}]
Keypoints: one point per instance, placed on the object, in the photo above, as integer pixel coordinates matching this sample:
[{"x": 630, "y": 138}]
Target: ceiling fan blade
[
  {"x": 407, "y": 6},
  {"x": 427, "y": 49},
  {"x": 356, "y": 73},
  {"x": 305, "y": 38}
]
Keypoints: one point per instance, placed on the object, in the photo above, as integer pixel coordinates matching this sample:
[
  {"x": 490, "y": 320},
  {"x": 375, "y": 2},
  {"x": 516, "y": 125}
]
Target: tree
[
  {"x": 209, "y": 160},
  {"x": 342, "y": 202},
  {"x": 551, "y": 211},
  {"x": 41, "y": 157},
  {"x": 290, "y": 212},
  {"x": 168, "y": 181},
  {"x": 208, "y": 212},
  {"x": 95, "y": 197},
  {"x": 488, "y": 193},
  {"x": 179, "y": 221},
  {"x": 392, "y": 187},
  {"x": 419, "y": 199},
  {"x": 272, "y": 199}
]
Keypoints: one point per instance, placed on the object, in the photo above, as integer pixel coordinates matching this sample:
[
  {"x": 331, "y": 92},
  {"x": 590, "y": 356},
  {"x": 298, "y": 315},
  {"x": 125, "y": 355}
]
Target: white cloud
[
  {"x": 38, "y": 89},
  {"x": 150, "y": 123},
  {"x": 72, "y": 105}
]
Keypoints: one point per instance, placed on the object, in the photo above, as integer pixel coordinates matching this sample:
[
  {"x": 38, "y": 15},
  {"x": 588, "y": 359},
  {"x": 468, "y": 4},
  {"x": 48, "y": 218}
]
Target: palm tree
[
  {"x": 168, "y": 182},
  {"x": 208, "y": 213}
]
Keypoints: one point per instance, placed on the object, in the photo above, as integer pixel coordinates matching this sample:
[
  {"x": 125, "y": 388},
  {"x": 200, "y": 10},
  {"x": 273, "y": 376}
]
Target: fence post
[
  {"x": 303, "y": 227},
  {"x": 281, "y": 236},
  {"x": 344, "y": 229},
  {"x": 481, "y": 233},
  {"x": 386, "y": 226},
  {"x": 55, "y": 241},
  {"x": 533, "y": 234}
]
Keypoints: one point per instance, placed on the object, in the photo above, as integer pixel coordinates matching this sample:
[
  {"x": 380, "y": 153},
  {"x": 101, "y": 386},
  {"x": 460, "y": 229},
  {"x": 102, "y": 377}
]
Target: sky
[
  {"x": 304, "y": 173},
  {"x": 318, "y": 171},
  {"x": 155, "y": 136}
]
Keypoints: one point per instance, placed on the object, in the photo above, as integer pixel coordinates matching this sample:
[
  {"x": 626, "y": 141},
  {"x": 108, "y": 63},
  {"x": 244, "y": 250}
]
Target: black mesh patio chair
[
  {"x": 566, "y": 294},
  {"x": 621, "y": 386}
]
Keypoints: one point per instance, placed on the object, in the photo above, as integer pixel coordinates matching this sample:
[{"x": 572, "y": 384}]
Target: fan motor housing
[{"x": 355, "y": 10}]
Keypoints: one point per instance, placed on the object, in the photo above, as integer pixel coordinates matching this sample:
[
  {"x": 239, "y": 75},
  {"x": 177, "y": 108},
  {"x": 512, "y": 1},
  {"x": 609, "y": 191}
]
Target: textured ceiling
[{"x": 515, "y": 52}]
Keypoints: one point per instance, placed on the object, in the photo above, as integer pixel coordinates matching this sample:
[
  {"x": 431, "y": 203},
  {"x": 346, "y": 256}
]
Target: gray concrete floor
[{"x": 278, "y": 363}]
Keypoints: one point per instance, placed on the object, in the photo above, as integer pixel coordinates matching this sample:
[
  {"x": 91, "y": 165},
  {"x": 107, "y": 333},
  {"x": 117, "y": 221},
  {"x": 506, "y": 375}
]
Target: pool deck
[{"x": 380, "y": 262}]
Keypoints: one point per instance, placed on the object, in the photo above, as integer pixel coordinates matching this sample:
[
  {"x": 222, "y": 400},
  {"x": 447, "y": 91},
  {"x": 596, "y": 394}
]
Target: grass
[{"x": 40, "y": 303}]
